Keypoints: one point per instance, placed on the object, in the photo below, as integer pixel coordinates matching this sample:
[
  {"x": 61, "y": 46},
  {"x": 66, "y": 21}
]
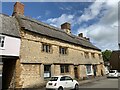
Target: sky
[{"x": 96, "y": 20}]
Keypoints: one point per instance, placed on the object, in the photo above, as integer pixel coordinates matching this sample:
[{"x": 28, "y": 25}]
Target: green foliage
[{"x": 106, "y": 55}]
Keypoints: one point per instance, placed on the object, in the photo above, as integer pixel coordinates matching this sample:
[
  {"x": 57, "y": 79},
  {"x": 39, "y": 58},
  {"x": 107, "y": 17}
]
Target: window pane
[
  {"x": 68, "y": 78},
  {"x": 62, "y": 69},
  {"x": 62, "y": 79},
  {"x": 66, "y": 68},
  {"x": 54, "y": 79},
  {"x": 88, "y": 67},
  {"x": 46, "y": 48},
  {"x": 49, "y": 48},
  {"x": 2, "y": 41},
  {"x": 2, "y": 45},
  {"x": 62, "y": 50}
]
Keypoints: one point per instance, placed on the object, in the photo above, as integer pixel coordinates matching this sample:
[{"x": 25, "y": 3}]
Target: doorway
[
  {"x": 94, "y": 69},
  {"x": 76, "y": 72},
  {"x": 8, "y": 73}
]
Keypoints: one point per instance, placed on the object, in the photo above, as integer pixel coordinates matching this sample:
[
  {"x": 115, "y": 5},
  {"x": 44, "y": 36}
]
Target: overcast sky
[{"x": 96, "y": 20}]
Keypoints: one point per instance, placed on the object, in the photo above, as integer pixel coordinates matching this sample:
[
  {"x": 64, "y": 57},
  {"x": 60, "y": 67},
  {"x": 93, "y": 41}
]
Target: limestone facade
[{"x": 33, "y": 60}]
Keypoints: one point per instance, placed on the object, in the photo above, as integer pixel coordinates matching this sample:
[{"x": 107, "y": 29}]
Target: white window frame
[
  {"x": 2, "y": 38},
  {"x": 91, "y": 73}
]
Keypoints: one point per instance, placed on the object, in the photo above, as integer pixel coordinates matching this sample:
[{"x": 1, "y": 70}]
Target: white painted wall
[{"x": 12, "y": 46}]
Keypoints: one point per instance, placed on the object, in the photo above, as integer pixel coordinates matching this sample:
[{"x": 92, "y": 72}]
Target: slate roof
[
  {"x": 9, "y": 26},
  {"x": 50, "y": 31}
]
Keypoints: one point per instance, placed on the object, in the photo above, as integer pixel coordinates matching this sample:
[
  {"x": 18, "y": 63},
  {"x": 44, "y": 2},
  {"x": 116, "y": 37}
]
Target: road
[{"x": 106, "y": 83}]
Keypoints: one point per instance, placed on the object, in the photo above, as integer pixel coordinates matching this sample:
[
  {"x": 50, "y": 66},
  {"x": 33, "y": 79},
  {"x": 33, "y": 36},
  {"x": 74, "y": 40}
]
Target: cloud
[
  {"x": 91, "y": 12},
  {"x": 37, "y": 17},
  {"x": 104, "y": 33},
  {"x": 60, "y": 20},
  {"x": 66, "y": 8}
]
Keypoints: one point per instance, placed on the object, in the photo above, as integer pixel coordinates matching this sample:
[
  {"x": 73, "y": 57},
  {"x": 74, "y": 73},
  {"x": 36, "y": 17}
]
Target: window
[
  {"x": 93, "y": 55},
  {"x": 46, "y": 48},
  {"x": 86, "y": 54},
  {"x": 2, "y": 41},
  {"x": 89, "y": 69},
  {"x": 95, "y": 68},
  {"x": 62, "y": 50},
  {"x": 68, "y": 78},
  {"x": 64, "y": 78},
  {"x": 64, "y": 68},
  {"x": 54, "y": 79},
  {"x": 47, "y": 71},
  {"x": 100, "y": 56}
]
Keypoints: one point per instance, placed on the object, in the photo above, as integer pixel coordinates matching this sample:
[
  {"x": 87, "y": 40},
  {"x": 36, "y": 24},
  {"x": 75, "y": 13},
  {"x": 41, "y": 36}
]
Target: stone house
[{"x": 46, "y": 51}]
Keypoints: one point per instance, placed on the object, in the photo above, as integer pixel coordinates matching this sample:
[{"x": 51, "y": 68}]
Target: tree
[{"x": 106, "y": 55}]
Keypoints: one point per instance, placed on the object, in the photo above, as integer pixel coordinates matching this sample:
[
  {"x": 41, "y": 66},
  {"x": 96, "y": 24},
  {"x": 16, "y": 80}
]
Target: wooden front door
[{"x": 76, "y": 71}]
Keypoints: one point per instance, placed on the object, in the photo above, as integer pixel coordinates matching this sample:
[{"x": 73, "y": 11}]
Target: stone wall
[
  {"x": 82, "y": 71},
  {"x": 32, "y": 59},
  {"x": 31, "y": 51},
  {"x": 31, "y": 75}
]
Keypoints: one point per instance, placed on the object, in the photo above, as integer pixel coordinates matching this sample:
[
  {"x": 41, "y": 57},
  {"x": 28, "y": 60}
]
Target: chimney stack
[
  {"x": 80, "y": 35},
  {"x": 88, "y": 39},
  {"x": 18, "y": 8},
  {"x": 66, "y": 27}
]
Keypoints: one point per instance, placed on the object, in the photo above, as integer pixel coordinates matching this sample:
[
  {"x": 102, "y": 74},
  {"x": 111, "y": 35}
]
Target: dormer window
[{"x": 2, "y": 42}]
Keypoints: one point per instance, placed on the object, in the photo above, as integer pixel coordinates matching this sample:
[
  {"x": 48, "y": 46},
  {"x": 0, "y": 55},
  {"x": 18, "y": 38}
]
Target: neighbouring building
[
  {"x": 46, "y": 51},
  {"x": 115, "y": 60},
  {"x": 9, "y": 46}
]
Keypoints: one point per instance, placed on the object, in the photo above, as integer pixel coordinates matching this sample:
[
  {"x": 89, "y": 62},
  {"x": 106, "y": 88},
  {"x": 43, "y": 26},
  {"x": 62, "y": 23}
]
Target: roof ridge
[{"x": 63, "y": 35}]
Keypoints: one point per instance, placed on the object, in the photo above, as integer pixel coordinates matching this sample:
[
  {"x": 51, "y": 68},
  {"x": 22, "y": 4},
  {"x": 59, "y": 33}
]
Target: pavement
[{"x": 91, "y": 80}]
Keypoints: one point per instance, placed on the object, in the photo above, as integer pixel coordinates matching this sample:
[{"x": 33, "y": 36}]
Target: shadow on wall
[{"x": 36, "y": 86}]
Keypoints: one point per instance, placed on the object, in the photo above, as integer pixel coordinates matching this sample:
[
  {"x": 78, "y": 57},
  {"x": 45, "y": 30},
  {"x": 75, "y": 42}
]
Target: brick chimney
[
  {"x": 66, "y": 27},
  {"x": 80, "y": 35},
  {"x": 18, "y": 8}
]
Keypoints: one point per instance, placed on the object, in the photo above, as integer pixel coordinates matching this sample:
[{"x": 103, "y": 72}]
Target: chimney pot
[
  {"x": 18, "y": 8},
  {"x": 80, "y": 35},
  {"x": 88, "y": 39}
]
